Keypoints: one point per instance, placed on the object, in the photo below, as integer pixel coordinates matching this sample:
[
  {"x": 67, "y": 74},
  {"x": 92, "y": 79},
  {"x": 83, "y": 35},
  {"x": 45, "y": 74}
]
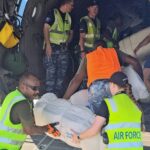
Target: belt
[
  {"x": 98, "y": 81},
  {"x": 60, "y": 45}
]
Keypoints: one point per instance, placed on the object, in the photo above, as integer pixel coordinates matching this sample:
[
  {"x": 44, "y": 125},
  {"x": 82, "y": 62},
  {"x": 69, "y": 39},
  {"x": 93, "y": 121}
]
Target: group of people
[
  {"x": 109, "y": 92},
  {"x": 112, "y": 120},
  {"x": 58, "y": 33}
]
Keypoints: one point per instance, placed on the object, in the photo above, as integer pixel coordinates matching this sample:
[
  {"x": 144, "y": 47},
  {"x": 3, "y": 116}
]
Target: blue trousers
[{"x": 56, "y": 71}]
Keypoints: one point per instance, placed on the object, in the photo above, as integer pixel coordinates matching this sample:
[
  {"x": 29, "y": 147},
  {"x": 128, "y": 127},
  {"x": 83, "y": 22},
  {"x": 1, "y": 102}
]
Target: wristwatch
[{"x": 78, "y": 137}]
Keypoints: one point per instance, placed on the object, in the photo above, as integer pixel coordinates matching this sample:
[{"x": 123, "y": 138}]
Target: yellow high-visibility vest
[
  {"x": 11, "y": 135},
  {"x": 59, "y": 31},
  {"x": 93, "y": 33},
  {"x": 124, "y": 125}
]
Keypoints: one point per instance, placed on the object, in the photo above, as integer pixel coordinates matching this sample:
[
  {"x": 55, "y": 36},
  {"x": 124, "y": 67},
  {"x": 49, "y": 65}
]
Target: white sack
[
  {"x": 138, "y": 87},
  {"x": 50, "y": 109},
  {"x": 80, "y": 98}
]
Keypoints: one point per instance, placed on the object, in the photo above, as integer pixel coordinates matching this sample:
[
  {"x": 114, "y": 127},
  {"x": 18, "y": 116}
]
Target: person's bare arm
[
  {"x": 26, "y": 118},
  {"x": 47, "y": 41},
  {"x": 93, "y": 130},
  {"x": 81, "y": 43},
  {"x": 146, "y": 72},
  {"x": 77, "y": 79},
  {"x": 144, "y": 42}
]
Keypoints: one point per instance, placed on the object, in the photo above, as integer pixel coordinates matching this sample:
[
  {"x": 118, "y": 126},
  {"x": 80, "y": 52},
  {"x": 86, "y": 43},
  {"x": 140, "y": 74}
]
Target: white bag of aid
[
  {"x": 80, "y": 98},
  {"x": 50, "y": 109},
  {"x": 138, "y": 87}
]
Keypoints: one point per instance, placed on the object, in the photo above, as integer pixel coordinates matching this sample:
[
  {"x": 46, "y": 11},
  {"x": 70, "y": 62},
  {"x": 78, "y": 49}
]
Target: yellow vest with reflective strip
[
  {"x": 124, "y": 126},
  {"x": 59, "y": 31},
  {"x": 11, "y": 135},
  {"x": 93, "y": 33},
  {"x": 115, "y": 35}
]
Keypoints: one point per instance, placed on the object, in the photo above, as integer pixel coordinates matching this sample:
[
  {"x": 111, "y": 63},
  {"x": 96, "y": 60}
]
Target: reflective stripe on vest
[
  {"x": 59, "y": 31},
  {"x": 101, "y": 64},
  {"x": 13, "y": 135},
  {"x": 93, "y": 33},
  {"x": 125, "y": 145},
  {"x": 6, "y": 140},
  {"x": 124, "y": 126},
  {"x": 114, "y": 36},
  {"x": 113, "y": 104}
]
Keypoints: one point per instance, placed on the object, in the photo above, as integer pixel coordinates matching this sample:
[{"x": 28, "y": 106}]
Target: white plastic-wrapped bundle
[
  {"x": 50, "y": 109},
  {"x": 80, "y": 98},
  {"x": 138, "y": 87}
]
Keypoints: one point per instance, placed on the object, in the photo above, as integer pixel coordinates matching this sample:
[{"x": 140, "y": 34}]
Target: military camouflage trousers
[{"x": 56, "y": 72}]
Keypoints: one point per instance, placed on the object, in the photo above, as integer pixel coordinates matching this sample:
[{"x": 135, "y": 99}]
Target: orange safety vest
[{"x": 101, "y": 64}]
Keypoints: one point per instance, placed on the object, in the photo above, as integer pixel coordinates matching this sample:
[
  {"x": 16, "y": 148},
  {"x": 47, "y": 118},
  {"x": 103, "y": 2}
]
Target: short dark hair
[
  {"x": 101, "y": 43},
  {"x": 26, "y": 76},
  {"x": 62, "y": 2}
]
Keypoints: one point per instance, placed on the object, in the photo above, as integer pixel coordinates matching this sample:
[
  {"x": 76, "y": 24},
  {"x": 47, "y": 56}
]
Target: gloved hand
[{"x": 52, "y": 130}]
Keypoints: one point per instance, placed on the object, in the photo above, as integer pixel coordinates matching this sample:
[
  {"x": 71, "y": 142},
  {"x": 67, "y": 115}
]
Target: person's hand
[
  {"x": 75, "y": 138},
  {"x": 135, "y": 51},
  {"x": 52, "y": 130},
  {"x": 82, "y": 55},
  {"x": 48, "y": 50}
]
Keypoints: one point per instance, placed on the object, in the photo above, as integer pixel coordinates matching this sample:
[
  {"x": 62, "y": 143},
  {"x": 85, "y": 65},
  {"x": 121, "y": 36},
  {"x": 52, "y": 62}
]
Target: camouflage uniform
[
  {"x": 97, "y": 91},
  {"x": 56, "y": 70},
  {"x": 60, "y": 28}
]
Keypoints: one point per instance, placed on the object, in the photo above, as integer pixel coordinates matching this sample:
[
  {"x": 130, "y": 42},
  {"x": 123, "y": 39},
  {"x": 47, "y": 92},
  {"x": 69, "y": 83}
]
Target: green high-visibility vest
[
  {"x": 11, "y": 135},
  {"x": 115, "y": 35},
  {"x": 93, "y": 33},
  {"x": 59, "y": 31},
  {"x": 124, "y": 125}
]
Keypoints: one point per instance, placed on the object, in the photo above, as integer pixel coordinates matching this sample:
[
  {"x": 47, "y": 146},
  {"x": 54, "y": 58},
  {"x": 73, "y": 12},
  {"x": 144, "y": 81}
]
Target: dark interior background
[{"x": 136, "y": 15}]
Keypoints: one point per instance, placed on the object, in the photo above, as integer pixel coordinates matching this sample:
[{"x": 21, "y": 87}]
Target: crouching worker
[
  {"x": 118, "y": 117},
  {"x": 16, "y": 114}
]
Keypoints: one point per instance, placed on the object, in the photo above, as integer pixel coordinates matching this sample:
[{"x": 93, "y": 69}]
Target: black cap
[
  {"x": 119, "y": 78},
  {"x": 92, "y": 3}
]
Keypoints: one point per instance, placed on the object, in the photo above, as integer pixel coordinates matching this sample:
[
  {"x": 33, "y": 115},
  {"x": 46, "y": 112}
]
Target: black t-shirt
[
  {"x": 84, "y": 27},
  {"x": 103, "y": 110},
  {"x": 50, "y": 19}
]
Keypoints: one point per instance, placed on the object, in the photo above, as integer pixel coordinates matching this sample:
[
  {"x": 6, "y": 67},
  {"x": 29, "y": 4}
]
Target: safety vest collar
[{"x": 113, "y": 104}]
